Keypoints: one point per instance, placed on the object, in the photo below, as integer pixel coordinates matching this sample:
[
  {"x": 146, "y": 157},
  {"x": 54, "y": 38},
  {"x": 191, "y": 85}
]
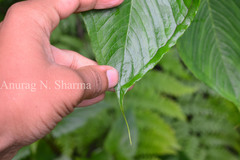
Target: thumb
[{"x": 97, "y": 80}]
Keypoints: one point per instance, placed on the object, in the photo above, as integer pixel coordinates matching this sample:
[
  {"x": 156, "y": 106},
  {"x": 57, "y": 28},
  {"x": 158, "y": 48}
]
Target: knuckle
[
  {"x": 97, "y": 85},
  {"x": 106, "y": 4},
  {"x": 68, "y": 85},
  {"x": 35, "y": 14},
  {"x": 16, "y": 8},
  {"x": 75, "y": 61},
  {"x": 87, "y": 5}
]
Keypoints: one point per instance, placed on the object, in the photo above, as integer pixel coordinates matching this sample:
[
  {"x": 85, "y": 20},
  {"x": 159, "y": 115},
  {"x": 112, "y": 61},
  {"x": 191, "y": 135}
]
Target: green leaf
[
  {"x": 44, "y": 151},
  {"x": 134, "y": 36},
  {"x": 210, "y": 48}
]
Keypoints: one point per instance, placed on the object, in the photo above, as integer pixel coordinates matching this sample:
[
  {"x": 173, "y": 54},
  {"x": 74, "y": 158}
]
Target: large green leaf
[
  {"x": 134, "y": 36},
  {"x": 211, "y": 47}
]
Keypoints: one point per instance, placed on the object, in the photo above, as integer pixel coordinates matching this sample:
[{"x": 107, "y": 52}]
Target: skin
[{"x": 26, "y": 55}]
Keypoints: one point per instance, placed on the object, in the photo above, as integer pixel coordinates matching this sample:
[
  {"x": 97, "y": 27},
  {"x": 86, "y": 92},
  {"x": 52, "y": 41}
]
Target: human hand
[{"x": 32, "y": 98}]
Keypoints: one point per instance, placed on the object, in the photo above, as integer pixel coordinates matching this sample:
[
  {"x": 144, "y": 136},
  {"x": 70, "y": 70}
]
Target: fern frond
[
  {"x": 83, "y": 138},
  {"x": 158, "y": 104},
  {"x": 220, "y": 154},
  {"x": 155, "y": 136},
  {"x": 207, "y": 131},
  {"x": 164, "y": 83}
]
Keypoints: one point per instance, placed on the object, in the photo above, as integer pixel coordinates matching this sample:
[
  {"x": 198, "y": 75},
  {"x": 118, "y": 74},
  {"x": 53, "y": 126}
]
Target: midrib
[{"x": 126, "y": 39}]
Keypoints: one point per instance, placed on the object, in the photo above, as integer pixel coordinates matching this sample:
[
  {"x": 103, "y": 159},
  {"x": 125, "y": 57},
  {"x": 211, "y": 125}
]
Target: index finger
[
  {"x": 98, "y": 4},
  {"x": 48, "y": 13}
]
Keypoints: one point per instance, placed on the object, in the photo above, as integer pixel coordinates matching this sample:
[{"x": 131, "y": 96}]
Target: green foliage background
[{"x": 172, "y": 116}]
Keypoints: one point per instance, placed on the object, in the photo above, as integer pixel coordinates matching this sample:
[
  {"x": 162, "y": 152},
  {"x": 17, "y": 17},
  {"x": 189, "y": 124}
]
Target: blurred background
[{"x": 171, "y": 114}]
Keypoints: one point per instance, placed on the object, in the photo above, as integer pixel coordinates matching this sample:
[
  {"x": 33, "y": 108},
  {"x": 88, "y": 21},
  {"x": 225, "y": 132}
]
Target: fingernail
[{"x": 112, "y": 76}]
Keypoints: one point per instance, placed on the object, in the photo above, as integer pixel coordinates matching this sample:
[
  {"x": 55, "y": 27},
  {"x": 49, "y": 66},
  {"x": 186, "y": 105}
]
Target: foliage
[
  {"x": 208, "y": 134},
  {"x": 202, "y": 130},
  {"x": 148, "y": 140},
  {"x": 134, "y": 36},
  {"x": 210, "y": 48}
]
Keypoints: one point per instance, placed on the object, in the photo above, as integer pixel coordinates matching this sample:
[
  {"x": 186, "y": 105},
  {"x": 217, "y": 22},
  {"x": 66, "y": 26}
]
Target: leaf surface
[
  {"x": 211, "y": 47},
  {"x": 134, "y": 36}
]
